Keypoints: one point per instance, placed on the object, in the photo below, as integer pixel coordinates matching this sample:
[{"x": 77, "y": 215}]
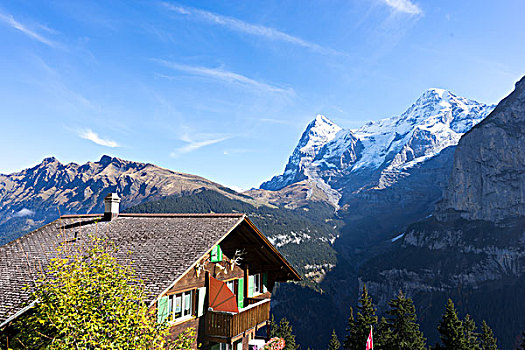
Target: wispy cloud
[
  {"x": 10, "y": 21},
  {"x": 249, "y": 28},
  {"x": 404, "y": 6},
  {"x": 90, "y": 135},
  {"x": 202, "y": 141},
  {"x": 223, "y": 75},
  {"x": 24, "y": 212},
  {"x": 233, "y": 151}
]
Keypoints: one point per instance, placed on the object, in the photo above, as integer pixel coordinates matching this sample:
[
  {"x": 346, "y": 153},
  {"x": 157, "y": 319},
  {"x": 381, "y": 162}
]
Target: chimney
[{"x": 111, "y": 206}]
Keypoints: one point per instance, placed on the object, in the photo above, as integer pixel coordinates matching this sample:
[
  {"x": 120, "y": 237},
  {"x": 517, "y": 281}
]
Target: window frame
[
  {"x": 257, "y": 284},
  {"x": 181, "y": 305}
]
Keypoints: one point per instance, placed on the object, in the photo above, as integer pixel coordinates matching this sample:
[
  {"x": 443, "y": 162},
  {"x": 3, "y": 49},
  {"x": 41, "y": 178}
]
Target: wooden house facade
[
  {"x": 211, "y": 272},
  {"x": 226, "y": 294}
]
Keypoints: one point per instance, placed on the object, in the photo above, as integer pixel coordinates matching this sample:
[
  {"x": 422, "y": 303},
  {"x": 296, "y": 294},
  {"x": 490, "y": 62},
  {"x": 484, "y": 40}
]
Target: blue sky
[{"x": 224, "y": 89}]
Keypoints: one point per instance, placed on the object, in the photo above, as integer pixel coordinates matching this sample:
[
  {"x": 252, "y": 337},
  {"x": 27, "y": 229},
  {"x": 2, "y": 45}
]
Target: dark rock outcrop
[{"x": 488, "y": 176}]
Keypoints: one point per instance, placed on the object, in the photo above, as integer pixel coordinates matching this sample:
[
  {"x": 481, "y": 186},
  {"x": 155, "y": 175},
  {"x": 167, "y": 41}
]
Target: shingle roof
[{"x": 161, "y": 246}]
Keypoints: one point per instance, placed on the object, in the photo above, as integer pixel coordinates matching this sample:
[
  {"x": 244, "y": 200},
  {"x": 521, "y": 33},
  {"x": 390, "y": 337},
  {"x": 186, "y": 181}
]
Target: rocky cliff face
[
  {"x": 488, "y": 177},
  {"x": 473, "y": 248},
  {"x": 35, "y": 196}
]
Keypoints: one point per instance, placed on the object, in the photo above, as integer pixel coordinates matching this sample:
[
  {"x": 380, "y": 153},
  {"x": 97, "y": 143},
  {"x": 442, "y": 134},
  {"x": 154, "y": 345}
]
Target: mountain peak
[
  {"x": 434, "y": 95},
  {"x": 321, "y": 121},
  {"x": 49, "y": 160},
  {"x": 317, "y": 133},
  {"x": 106, "y": 160}
]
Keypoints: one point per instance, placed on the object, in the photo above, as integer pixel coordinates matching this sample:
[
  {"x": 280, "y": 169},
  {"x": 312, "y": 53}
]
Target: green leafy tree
[
  {"x": 451, "y": 330},
  {"x": 470, "y": 333},
  {"x": 334, "y": 343},
  {"x": 85, "y": 299},
  {"x": 402, "y": 323},
  {"x": 486, "y": 338},
  {"x": 359, "y": 328},
  {"x": 284, "y": 330}
]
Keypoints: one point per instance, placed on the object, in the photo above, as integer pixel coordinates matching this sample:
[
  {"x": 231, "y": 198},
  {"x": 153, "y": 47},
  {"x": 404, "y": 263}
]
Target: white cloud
[
  {"x": 9, "y": 20},
  {"x": 24, "y": 212},
  {"x": 90, "y": 135},
  {"x": 248, "y": 28},
  {"x": 228, "y": 152},
  {"x": 404, "y": 6},
  {"x": 223, "y": 75},
  {"x": 193, "y": 145}
]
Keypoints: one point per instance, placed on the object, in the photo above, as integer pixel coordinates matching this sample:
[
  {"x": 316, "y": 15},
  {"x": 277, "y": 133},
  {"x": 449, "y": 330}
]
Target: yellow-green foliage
[{"x": 86, "y": 300}]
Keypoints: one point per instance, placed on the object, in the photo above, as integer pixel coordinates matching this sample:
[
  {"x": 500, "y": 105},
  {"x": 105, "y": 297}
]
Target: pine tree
[
  {"x": 470, "y": 333},
  {"x": 351, "y": 328},
  {"x": 451, "y": 330},
  {"x": 359, "y": 328},
  {"x": 383, "y": 336},
  {"x": 487, "y": 340},
  {"x": 284, "y": 330},
  {"x": 334, "y": 343},
  {"x": 402, "y": 324}
]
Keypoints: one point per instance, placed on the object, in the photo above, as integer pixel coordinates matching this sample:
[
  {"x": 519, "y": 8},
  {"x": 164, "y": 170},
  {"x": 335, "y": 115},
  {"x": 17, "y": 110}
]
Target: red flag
[{"x": 369, "y": 341}]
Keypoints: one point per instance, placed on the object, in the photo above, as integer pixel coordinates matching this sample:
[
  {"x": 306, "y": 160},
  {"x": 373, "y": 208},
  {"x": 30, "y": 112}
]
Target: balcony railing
[{"x": 227, "y": 325}]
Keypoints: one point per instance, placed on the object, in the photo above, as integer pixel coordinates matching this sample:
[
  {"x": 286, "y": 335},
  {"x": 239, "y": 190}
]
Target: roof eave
[
  {"x": 290, "y": 268},
  {"x": 242, "y": 218}
]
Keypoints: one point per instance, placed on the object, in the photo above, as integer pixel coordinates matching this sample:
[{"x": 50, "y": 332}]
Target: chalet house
[{"x": 212, "y": 272}]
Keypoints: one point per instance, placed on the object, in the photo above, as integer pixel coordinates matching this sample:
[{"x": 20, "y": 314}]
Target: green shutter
[
  {"x": 265, "y": 281},
  {"x": 201, "y": 297},
  {"x": 251, "y": 285},
  {"x": 216, "y": 254},
  {"x": 240, "y": 294},
  {"x": 162, "y": 309}
]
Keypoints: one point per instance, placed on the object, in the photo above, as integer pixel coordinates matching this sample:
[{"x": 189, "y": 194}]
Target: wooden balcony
[{"x": 223, "y": 326}]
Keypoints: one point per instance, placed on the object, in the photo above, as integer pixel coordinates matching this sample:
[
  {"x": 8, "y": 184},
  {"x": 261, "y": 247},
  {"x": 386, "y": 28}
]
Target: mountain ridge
[
  {"x": 437, "y": 120},
  {"x": 34, "y": 196}
]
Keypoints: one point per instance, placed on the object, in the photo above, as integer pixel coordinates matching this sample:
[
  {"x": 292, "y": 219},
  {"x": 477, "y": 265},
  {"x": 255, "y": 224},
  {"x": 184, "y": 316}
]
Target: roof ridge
[
  {"x": 74, "y": 216},
  {"x": 182, "y": 214}
]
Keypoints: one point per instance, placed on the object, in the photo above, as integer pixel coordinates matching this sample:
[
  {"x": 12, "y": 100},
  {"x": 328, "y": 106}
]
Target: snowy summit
[{"x": 326, "y": 152}]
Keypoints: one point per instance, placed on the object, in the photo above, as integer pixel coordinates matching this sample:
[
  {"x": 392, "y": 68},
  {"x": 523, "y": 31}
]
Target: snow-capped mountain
[
  {"x": 379, "y": 153},
  {"x": 320, "y": 131}
]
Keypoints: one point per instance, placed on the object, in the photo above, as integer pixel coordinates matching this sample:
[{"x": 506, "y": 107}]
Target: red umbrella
[{"x": 221, "y": 297}]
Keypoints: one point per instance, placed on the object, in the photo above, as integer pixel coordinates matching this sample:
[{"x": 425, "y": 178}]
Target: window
[
  {"x": 257, "y": 284},
  {"x": 220, "y": 346},
  {"x": 180, "y": 305},
  {"x": 233, "y": 285}
]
